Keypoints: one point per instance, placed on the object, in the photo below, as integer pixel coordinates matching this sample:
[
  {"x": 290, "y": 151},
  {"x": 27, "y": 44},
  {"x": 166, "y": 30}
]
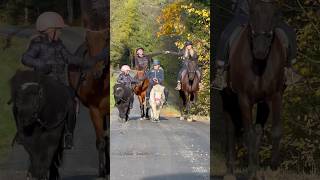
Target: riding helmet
[
  {"x": 156, "y": 62},
  {"x": 187, "y": 43},
  {"x": 48, "y": 20}
]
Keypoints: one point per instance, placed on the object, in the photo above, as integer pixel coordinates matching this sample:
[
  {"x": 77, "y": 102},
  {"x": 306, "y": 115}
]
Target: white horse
[{"x": 157, "y": 98}]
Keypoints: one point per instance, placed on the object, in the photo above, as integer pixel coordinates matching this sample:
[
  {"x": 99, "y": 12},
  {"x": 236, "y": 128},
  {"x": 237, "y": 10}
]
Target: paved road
[{"x": 171, "y": 149}]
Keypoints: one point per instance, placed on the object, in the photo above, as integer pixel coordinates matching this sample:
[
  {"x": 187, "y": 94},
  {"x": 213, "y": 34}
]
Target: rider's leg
[
  {"x": 178, "y": 87},
  {"x": 71, "y": 121},
  {"x": 166, "y": 94},
  {"x": 148, "y": 93},
  {"x": 131, "y": 101},
  {"x": 290, "y": 75},
  {"x": 223, "y": 50}
]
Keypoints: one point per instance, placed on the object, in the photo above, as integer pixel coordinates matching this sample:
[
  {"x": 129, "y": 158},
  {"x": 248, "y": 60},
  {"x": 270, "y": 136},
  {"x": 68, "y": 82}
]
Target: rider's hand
[
  {"x": 44, "y": 68},
  {"x": 155, "y": 80},
  {"x": 166, "y": 52}
]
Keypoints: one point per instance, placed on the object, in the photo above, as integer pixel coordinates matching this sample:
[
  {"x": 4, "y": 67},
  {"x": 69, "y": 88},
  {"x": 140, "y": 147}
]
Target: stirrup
[
  {"x": 68, "y": 141},
  {"x": 219, "y": 81}
]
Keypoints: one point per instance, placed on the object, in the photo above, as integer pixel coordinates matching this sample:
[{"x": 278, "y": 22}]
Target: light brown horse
[
  {"x": 141, "y": 91},
  {"x": 92, "y": 86}
]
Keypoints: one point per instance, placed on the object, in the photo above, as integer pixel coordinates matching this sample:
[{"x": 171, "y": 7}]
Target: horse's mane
[
  {"x": 95, "y": 14},
  {"x": 22, "y": 77}
]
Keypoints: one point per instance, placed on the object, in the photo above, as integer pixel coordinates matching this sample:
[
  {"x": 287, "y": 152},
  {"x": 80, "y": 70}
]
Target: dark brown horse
[
  {"x": 256, "y": 76},
  {"x": 93, "y": 86},
  {"x": 141, "y": 91},
  {"x": 189, "y": 89}
]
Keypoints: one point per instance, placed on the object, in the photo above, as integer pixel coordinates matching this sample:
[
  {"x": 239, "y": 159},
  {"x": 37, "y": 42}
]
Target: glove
[{"x": 44, "y": 68}]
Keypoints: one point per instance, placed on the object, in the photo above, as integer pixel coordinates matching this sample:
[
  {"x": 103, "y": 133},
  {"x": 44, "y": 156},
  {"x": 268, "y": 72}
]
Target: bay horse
[
  {"x": 140, "y": 90},
  {"x": 189, "y": 89},
  {"x": 255, "y": 77},
  {"x": 92, "y": 87}
]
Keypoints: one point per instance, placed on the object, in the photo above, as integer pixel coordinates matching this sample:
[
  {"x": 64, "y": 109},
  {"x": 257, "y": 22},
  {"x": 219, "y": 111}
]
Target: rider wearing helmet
[
  {"x": 155, "y": 76},
  {"x": 127, "y": 80},
  {"x": 241, "y": 19},
  {"x": 188, "y": 54},
  {"x": 47, "y": 54},
  {"x": 142, "y": 61}
]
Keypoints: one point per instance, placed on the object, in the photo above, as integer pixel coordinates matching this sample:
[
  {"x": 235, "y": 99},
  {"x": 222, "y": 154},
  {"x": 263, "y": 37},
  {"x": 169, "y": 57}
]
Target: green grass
[
  {"x": 9, "y": 63},
  {"x": 112, "y": 82}
]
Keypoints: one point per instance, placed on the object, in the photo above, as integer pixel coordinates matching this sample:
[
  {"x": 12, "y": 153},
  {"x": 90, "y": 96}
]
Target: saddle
[{"x": 186, "y": 69}]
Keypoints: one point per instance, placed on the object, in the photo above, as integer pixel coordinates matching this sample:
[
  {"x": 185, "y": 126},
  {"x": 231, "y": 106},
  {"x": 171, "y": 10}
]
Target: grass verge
[{"x": 9, "y": 63}]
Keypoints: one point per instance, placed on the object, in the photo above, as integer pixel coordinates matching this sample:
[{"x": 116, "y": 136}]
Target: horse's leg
[
  {"x": 97, "y": 118},
  {"x": 249, "y": 132},
  {"x": 143, "y": 99},
  {"x": 277, "y": 129},
  {"x": 182, "y": 105},
  {"x": 230, "y": 145},
  {"x": 141, "y": 106},
  {"x": 188, "y": 103},
  {"x": 106, "y": 128},
  {"x": 144, "y": 94}
]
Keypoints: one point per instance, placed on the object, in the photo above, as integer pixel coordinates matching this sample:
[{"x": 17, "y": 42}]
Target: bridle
[{"x": 268, "y": 35}]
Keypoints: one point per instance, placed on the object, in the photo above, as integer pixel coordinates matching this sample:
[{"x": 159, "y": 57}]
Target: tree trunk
[
  {"x": 26, "y": 15},
  {"x": 70, "y": 11}
]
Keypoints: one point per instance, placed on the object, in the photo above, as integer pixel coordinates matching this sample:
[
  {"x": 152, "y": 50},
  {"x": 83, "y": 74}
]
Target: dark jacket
[
  {"x": 49, "y": 58},
  {"x": 158, "y": 74},
  {"x": 186, "y": 59},
  {"x": 144, "y": 62},
  {"x": 127, "y": 80}
]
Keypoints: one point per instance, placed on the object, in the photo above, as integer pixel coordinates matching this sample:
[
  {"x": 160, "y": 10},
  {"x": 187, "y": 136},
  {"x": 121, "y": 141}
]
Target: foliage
[
  {"x": 190, "y": 21},
  {"x": 131, "y": 28},
  {"x": 10, "y": 62}
]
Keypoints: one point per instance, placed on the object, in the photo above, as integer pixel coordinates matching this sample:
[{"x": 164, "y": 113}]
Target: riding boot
[
  {"x": 70, "y": 126},
  {"x": 219, "y": 81},
  {"x": 166, "y": 94},
  {"x": 291, "y": 77},
  {"x": 178, "y": 88},
  {"x": 131, "y": 102},
  {"x": 147, "y": 102}
]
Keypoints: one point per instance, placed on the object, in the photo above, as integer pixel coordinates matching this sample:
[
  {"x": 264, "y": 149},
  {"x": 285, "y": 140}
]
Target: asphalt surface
[{"x": 171, "y": 149}]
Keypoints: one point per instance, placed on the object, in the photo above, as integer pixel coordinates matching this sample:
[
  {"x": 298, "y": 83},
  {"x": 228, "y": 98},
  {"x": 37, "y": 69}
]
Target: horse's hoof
[
  {"x": 141, "y": 119},
  {"x": 229, "y": 177},
  {"x": 181, "y": 118},
  {"x": 102, "y": 173},
  {"x": 189, "y": 119}
]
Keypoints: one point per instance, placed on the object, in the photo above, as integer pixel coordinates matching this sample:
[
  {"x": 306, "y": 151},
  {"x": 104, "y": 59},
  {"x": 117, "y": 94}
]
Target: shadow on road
[
  {"x": 186, "y": 176},
  {"x": 81, "y": 177}
]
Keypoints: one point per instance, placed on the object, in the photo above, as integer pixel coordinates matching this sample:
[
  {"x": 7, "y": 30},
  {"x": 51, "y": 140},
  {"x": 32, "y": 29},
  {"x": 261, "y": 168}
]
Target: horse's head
[
  {"x": 191, "y": 71},
  {"x": 140, "y": 75},
  {"x": 28, "y": 103},
  {"x": 263, "y": 19},
  {"x": 96, "y": 40}
]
